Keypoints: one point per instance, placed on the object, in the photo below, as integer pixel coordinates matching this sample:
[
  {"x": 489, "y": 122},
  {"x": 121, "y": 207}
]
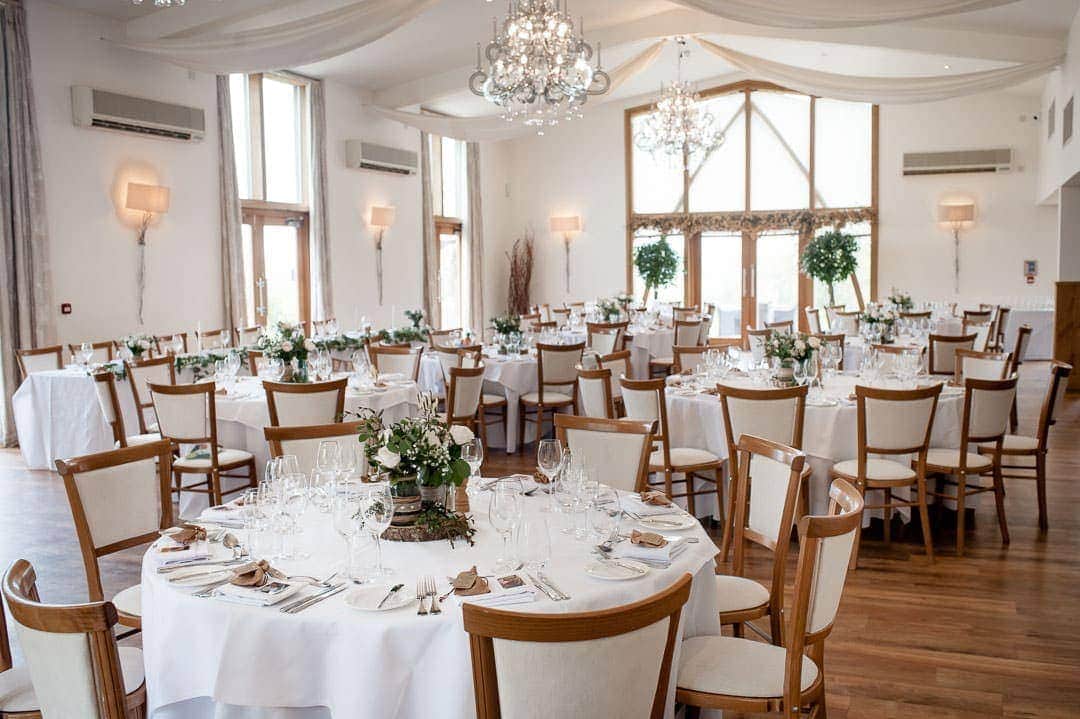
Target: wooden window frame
[
  {"x": 450, "y": 226},
  {"x": 692, "y": 241},
  {"x": 258, "y": 214}
]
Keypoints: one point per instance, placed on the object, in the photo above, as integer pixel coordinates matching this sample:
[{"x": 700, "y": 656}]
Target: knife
[
  {"x": 167, "y": 568},
  {"x": 551, "y": 584},
  {"x": 294, "y": 605},
  {"x": 393, "y": 590},
  {"x": 543, "y": 588},
  {"x": 315, "y": 600}
]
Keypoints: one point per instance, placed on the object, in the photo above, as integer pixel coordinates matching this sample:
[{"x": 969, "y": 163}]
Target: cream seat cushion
[
  {"x": 550, "y": 397},
  {"x": 491, "y": 399},
  {"x": 131, "y": 664},
  {"x": 682, "y": 457},
  {"x": 129, "y": 601},
  {"x": 951, "y": 458},
  {"x": 17, "y": 691},
  {"x": 1014, "y": 442},
  {"x": 737, "y": 667},
  {"x": 225, "y": 457},
  {"x": 737, "y": 593},
  {"x": 662, "y": 360},
  {"x": 881, "y": 469},
  {"x": 143, "y": 438}
]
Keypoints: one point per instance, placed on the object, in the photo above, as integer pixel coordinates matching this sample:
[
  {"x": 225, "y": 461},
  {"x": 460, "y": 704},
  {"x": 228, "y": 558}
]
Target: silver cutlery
[
  {"x": 312, "y": 580},
  {"x": 656, "y": 563},
  {"x": 433, "y": 592},
  {"x": 209, "y": 591},
  {"x": 420, "y": 595},
  {"x": 321, "y": 597},
  {"x": 619, "y": 563},
  {"x": 168, "y": 568},
  {"x": 540, "y": 585},
  {"x": 393, "y": 590},
  {"x": 554, "y": 587},
  {"x": 299, "y": 604},
  {"x": 196, "y": 575}
]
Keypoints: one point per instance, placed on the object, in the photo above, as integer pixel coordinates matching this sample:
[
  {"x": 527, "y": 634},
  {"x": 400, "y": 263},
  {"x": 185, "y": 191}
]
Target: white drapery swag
[
  {"x": 474, "y": 230},
  {"x": 289, "y": 44},
  {"x": 322, "y": 291},
  {"x": 232, "y": 259},
  {"x": 834, "y": 13},
  {"x": 879, "y": 90}
]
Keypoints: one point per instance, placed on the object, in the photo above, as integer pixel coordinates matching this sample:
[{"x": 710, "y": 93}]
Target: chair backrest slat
[
  {"x": 942, "y": 358},
  {"x": 40, "y": 359},
  {"x": 618, "y": 448},
  {"x": 142, "y": 373},
  {"x": 294, "y": 404},
  {"x": 396, "y": 360},
  {"x": 303, "y": 442},
  {"x": 594, "y": 392}
]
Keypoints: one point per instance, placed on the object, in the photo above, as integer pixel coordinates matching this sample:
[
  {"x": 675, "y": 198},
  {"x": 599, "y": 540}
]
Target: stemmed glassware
[
  {"x": 603, "y": 513},
  {"x": 294, "y": 501},
  {"x": 534, "y": 543},
  {"x": 504, "y": 513},
  {"x": 347, "y": 521},
  {"x": 549, "y": 457},
  {"x": 472, "y": 452},
  {"x": 86, "y": 351},
  {"x": 328, "y": 455},
  {"x": 377, "y": 510}
]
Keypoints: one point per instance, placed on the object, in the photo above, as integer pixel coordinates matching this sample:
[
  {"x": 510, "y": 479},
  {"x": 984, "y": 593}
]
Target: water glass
[
  {"x": 504, "y": 514},
  {"x": 377, "y": 510},
  {"x": 328, "y": 456},
  {"x": 534, "y": 543},
  {"x": 472, "y": 452},
  {"x": 347, "y": 521}
]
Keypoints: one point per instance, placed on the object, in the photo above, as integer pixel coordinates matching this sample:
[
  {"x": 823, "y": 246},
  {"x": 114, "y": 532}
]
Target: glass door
[
  {"x": 454, "y": 289},
  {"x": 722, "y": 284},
  {"x": 774, "y": 277},
  {"x": 276, "y": 263}
]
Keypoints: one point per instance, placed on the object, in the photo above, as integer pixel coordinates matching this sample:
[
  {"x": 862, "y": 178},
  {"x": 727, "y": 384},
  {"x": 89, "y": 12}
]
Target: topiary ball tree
[
  {"x": 657, "y": 264},
  {"x": 830, "y": 257}
]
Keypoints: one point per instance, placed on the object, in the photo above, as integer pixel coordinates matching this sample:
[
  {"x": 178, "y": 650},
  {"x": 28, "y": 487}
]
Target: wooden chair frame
[
  {"x": 964, "y": 341},
  {"x": 239, "y": 332},
  {"x": 276, "y": 435},
  {"x": 662, "y": 366},
  {"x": 375, "y": 351},
  {"x": 815, "y": 313},
  {"x": 1004, "y": 357},
  {"x": 117, "y": 425},
  {"x": 1023, "y": 336},
  {"x": 751, "y": 332},
  {"x": 433, "y": 334},
  {"x": 141, "y": 407},
  {"x": 916, "y": 315},
  {"x": 216, "y": 470},
  {"x": 597, "y": 327},
  {"x": 678, "y": 352},
  {"x": 58, "y": 350},
  {"x": 1000, "y": 324},
  {"x": 781, "y": 326},
  {"x": 159, "y": 339},
  {"x": 274, "y": 388},
  {"x": 836, "y": 339},
  {"x": 107, "y": 345},
  {"x": 540, "y": 327},
  {"x": 96, "y": 619},
  {"x": 565, "y": 422},
  {"x": 205, "y": 335},
  {"x": 540, "y": 406},
  {"x": 485, "y": 624},
  {"x": 473, "y": 421},
  {"x": 597, "y": 374},
  {"x": 161, "y": 451},
  {"x": 842, "y": 318}
]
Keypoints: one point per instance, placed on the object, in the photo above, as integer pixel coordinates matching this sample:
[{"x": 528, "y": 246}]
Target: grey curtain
[
  {"x": 475, "y": 232},
  {"x": 233, "y": 281},
  {"x": 432, "y": 296},
  {"x": 322, "y": 304},
  {"x": 25, "y": 285}
]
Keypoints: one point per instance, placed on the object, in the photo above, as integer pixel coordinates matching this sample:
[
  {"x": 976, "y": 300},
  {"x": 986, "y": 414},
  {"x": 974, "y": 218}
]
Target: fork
[
  {"x": 421, "y": 595},
  {"x": 433, "y": 592}
]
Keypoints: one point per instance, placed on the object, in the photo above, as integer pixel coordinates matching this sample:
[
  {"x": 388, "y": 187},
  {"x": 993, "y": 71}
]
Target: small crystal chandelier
[
  {"x": 677, "y": 126},
  {"x": 537, "y": 70},
  {"x": 162, "y": 3}
]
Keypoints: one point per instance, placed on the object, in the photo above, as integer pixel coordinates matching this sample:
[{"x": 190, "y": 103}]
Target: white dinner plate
[
  {"x": 668, "y": 522},
  {"x": 366, "y": 599},
  {"x": 616, "y": 570},
  {"x": 200, "y": 578}
]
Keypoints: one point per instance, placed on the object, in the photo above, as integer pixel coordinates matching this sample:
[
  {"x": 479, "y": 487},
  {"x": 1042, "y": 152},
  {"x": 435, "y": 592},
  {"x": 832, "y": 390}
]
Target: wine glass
[
  {"x": 603, "y": 513},
  {"x": 328, "y": 455},
  {"x": 294, "y": 502},
  {"x": 86, "y": 351},
  {"x": 346, "y": 520},
  {"x": 504, "y": 513},
  {"x": 275, "y": 368},
  {"x": 534, "y": 543},
  {"x": 549, "y": 457},
  {"x": 472, "y": 452},
  {"x": 290, "y": 464},
  {"x": 799, "y": 373},
  {"x": 177, "y": 344},
  {"x": 377, "y": 509},
  {"x": 348, "y": 462}
]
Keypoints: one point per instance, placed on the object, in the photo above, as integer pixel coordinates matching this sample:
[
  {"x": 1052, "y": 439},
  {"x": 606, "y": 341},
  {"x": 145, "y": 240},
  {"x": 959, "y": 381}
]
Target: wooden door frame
[
  {"x": 448, "y": 226},
  {"x": 258, "y": 214}
]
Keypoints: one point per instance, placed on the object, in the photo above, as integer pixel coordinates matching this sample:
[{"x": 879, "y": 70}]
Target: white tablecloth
[
  {"x": 649, "y": 344},
  {"x": 205, "y": 658},
  {"x": 1041, "y": 342}
]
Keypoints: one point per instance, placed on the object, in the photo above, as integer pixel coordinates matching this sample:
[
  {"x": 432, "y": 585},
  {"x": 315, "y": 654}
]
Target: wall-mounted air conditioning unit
[
  {"x": 956, "y": 161},
  {"x": 369, "y": 156},
  {"x": 113, "y": 111}
]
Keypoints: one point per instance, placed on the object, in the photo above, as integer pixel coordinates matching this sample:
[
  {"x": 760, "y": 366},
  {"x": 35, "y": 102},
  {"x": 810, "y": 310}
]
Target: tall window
[
  {"x": 271, "y": 117},
  {"x": 786, "y": 157},
  {"x": 449, "y": 192}
]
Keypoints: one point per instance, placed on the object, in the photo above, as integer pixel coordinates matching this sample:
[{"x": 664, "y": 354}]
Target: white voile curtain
[
  {"x": 880, "y": 90},
  {"x": 430, "y": 250},
  {"x": 322, "y": 289},
  {"x": 293, "y": 43},
  {"x": 834, "y": 13},
  {"x": 474, "y": 230},
  {"x": 232, "y": 258}
]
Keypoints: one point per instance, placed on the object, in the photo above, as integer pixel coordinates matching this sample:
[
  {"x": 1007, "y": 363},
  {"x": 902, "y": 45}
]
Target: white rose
[
  {"x": 461, "y": 434},
  {"x": 387, "y": 458},
  {"x": 800, "y": 345},
  {"x": 286, "y": 346},
  {"x": 309, "y": 345},
  {"x": 432, "y": 438},
  {"x": 814, "y": 342}
]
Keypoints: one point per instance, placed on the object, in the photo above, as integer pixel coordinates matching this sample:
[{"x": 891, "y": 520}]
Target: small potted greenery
[
  {"x": 901, "y": 300},
  {"x": 657, "y": 264},
  {"x": 608, "y": 309},
  {"x": 830, "y": 257}
]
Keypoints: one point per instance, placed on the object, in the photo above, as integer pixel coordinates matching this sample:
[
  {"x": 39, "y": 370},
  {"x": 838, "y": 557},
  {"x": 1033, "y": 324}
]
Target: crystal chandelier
[
  {"x": 677, "y": 126},
  {"x": 537, "y": 69},
  {"x": 162, "y": 3}
]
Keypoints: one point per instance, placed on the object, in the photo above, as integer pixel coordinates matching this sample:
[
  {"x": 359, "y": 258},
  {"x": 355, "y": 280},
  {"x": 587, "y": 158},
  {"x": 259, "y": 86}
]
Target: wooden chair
[
  {"x": 103, "y": 351},
  {"x": 464, "y": 399},
  {"x": 838, "y": 342},
  {"x": 162, "y": 341},
  {"x": 813, "y": 320},
  {"x": 620, "y": 366},
  {"x": 140, "y": 374},
  {"x": 684, "y": 314},
  {"x": 543, "y": 312},
  {"x": 442, "y": 337},
  {"x": 983, "y": 332},
  {"x": 1023, "y": 456},
  {"x": 541, "y": 327},
  {"x": 493, "y": 407},
  {"x": 980, "y": 316},
  {"x": 294, "y": 404},
  {"x": 687, "y": 334},
  {"x": 632, "y": 641},
  {"x": 786, "y": 326},
  {"x": 17, "y": 698},
  {"x": 187, "y": 414},
  {"x": 621, "y": 447},
  {"x": 985, "y": 420},
  {"x": 707, "y": 322},
  {"x": 594, "y": 393},
  {"x": 303, "y": 442},
  {"x": 892, "y": 422},
  {"x": 71, "y": 654},
  {"x": 1001, "y": 325},
  {"x": 981, "y": 365},
  {"x": 845, "y": 322},
  {"x": 1023, "y": 336},
  {"x": 766, "y": 489},
  {"x": 119, "y": 499},
  {"x": 916, "y": 315},
  {"x": 212, "y": 339},
  {"x": 560, "y": 315},
  {"x": 396, "y": 360},
  {"x": 556, "y": 382},
  {"x": 777, "y": 415},
  {"x": 247, "y": 336},
  {"x": 606, "y": 337},
  {"x": 756, "y": 340},
  {"x": 105, "y": 384},
  {"x": 890, "y": 354},
  {"x": 830, "y": 314},
  {"x": 746, "y": 676},
  {"x": 531, "y": 319},
  {"x": 645, "y": 400},
  {"x": 687, "y": 359},
  {"x": 40, "y": 359},
  {"x": 942, "y": 359}
]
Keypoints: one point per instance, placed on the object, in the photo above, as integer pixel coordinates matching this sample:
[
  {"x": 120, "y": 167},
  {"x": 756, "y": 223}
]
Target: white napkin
[
  {"x": 227, "y": 513},
  {"x": 499, "y": 597},
  {"x": 628, "y": 550},
  {"x": 198, "y": 550},
  {"x": 633, "y": 503},
  {"x": 255, "y": 596}
]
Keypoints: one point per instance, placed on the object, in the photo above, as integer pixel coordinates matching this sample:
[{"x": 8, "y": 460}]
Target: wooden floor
[{"x": 995, "y": 633}]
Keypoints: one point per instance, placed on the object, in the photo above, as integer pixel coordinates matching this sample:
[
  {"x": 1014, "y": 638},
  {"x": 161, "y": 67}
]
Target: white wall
[
  {"x": 580, "y": 169},
  {"x": 1058, "y": 162}
]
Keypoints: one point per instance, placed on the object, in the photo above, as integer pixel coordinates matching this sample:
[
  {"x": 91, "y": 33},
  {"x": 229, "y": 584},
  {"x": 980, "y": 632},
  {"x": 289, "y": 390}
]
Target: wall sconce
[
  {"x": 150, "y": 200},
  {"x": 381, "y": 218},
  {"x": 957, "y": 215},
  {"x": 567, "y": 226}
]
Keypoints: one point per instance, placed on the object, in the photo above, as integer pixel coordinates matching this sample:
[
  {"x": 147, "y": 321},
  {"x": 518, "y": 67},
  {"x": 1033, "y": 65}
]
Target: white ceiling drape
[
  {"x": 288, "y": 44},
  {"x": 808, "y": 14},
  {"x": 880, "y": 90}
]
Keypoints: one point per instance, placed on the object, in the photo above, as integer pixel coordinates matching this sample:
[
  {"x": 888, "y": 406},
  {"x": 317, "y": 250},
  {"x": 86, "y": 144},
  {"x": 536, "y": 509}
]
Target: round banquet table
[
  {"x": 648, "y": 344},
  {"x": 830, "y": 433},
  {"x": 208, "y": 658}
]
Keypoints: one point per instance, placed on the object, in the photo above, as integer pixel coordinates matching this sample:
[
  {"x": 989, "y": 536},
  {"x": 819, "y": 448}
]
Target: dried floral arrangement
[{"x": 521, "y": 268}]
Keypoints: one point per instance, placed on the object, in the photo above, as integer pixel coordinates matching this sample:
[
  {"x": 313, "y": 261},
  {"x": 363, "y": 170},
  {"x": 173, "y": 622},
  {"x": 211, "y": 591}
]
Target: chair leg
[
  {"x": 215, "y": 488},
  {"x": 854, "y": 563},
  {"x": 1040, "y": 487},
  {"x": 924, "y": 519},
  {"x": 689, "y": 478},
  {"x": 729, "y": 524},
  {"x": 718, "y": 476},
  {"x": 483, "y": 429},
  {"x": 776, "y": 628},
  {"x": 999, "y": 501},
  {"x": 887, "y": 515},
  {"x": 817, "y": 654},
  {"x": 523, "y": 410},
  {"x": 738, "y": 630},
  {"x": 667, "y": 482},
  {"x": 961, "y": 519}
]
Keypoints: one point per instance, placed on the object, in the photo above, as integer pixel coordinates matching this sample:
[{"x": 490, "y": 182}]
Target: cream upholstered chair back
[
  {"x": 1052, "y": 401},
  {"x": 604, "y": 342},
  {"x": 396, "y": 360},
  {"x": 943, "y": 351},
  {"x": 707, "y": 322},
  {"x": 618, "y": 448},
  {"x": 687, "y": 358},
  {"x": 772, "y": 414},
  {"x": 619, "y": 364},
  {"x": 105, "y": 386},
  {"x": 448, "y": 357},
  {"x": 980, "y": 315},
  {"x": 465, "y": 391},
  {"x": 635, "y": 641},
  {"x": 557, "y": 365},
  {"x": 895, "y": 420},
  {"x": 845, "y": 323},
  {"x": 983, "y": 332},
  {"x": 782, "y": 326},
  {"x": 102, "y": 351},
  {"x": 303, "y": 442},
  {"x": 544, "y": 313},
  {"x": 141, "y": 374},
  {"x": 757, "y": 340},
  {"x": 641, "y": 399},
  {"x": 687, "y": 332},
  {"x": 825, "y": 547},
  {"x": 684, "y": 313},
  {"x": 40, "y": 359},
  {"x": 184, "y": 417},
  {"x": 594, "y": 393},
  {"x": 772, "y": 483},
  {"x": 813, "y": 320},
  {"x": 296, "y": 404},
  {"x": 987, "y": 404},
  {"x": 247, "y": 336},
  {"x": 982, "y": 365}
]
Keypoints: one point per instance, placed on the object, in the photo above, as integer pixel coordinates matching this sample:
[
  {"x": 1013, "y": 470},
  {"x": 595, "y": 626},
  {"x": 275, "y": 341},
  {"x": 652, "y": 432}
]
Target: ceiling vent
[
  {"x": 369, "y": 156},
  {"x": 957, "y": 161},
  {"x": 113, "y": 111}
]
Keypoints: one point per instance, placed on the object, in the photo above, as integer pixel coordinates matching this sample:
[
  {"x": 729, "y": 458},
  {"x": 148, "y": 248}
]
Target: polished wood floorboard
[{"x": 995, "y": 633}]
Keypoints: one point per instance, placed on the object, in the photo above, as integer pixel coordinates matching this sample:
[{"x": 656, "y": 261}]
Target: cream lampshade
[
  {"x": 147, "y": 198},
  {"x": 958, "y": 215},
  {"x": 383, "y": 217},
  {"x": 567, "y": 225}
]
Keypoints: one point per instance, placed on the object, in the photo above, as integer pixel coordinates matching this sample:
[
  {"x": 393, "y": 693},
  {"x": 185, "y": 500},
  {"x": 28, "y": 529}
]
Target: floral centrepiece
[
  {"x": 287, "y": 343},
  {"x": 901, "y": 300},
  {"x": 609, "y": 309},
  {"x": 879, "y": 321},
  {"x": 506, "y": 324},
  {"x": 791, "y": 347},
  {"x": 137, "y": 344}
]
